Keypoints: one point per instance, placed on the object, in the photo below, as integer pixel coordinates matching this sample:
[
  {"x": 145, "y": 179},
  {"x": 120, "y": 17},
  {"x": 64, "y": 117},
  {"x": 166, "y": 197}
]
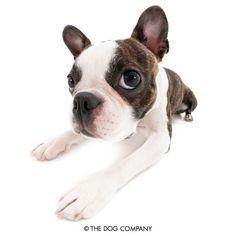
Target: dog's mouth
[
  {"x": 80, "y": 128},
  {"x": 87, "y": 133}
]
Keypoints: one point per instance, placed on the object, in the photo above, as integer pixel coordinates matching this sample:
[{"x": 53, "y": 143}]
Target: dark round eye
[
  {"x": 130, "y": 79},
  {"x": 71, "y": 81}
]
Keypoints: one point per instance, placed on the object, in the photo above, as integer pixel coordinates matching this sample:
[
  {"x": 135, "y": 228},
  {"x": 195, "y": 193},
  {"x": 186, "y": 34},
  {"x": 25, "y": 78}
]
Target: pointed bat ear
[
  {"x": 152, "y": 31},
  {"x": 75, "y": 40}
]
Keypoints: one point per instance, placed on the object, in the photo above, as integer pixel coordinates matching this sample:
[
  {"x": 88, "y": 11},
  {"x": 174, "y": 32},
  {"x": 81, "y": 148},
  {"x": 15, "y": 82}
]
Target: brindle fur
[
  {"x": 152, "y": 31},
  {"x": 132, "y": 55},
  {"x": 179, "y": 95}
]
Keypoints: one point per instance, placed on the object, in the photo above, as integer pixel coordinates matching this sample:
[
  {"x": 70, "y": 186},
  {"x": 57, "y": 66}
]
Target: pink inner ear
[
  {"x": 151, "y": 29},
  {"x": 152, "y": 44},
  {"x": 76, "y": 46},
  {"x": 78, "y": 43},
  {"x": 151, "y": 32}
]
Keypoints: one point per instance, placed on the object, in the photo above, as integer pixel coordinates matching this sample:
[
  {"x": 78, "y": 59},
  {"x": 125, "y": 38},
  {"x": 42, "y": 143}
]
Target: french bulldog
[{"x": 117, "y": 86}]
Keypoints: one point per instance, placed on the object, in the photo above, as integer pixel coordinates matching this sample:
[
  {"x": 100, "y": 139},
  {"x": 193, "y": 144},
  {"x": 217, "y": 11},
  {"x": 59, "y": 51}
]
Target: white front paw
[
  {"x": 50, "y": 149},
  {"x": 87, "y": 198}
]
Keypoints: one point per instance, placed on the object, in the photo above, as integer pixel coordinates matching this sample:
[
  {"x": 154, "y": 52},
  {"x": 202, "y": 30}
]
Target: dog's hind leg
[{"x": 190, "y": 103}]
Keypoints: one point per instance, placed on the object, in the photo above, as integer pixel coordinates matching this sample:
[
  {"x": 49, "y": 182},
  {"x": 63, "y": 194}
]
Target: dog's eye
[
  {"x": 130, "y": 80},
  {"x": 71, "y": 81}
]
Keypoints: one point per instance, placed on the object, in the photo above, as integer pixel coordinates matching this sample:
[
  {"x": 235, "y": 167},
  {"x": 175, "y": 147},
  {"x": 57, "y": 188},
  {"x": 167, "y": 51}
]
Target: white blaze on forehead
[{"x": 94, "y": 61}]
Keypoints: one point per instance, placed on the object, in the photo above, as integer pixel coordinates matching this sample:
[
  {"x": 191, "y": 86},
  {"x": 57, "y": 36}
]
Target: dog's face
[{"x": 113, "y": 84}]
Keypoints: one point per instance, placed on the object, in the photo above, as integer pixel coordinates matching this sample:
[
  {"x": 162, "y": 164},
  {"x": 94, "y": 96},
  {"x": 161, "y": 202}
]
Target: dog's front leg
[
  {"x": 150, "y": 153},
  {"x": 92, "y": 194},
  {"x": 50, "y": 149}
]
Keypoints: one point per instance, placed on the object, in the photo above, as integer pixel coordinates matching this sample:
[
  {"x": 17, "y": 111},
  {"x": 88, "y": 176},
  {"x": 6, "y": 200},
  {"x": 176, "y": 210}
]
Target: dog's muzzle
[{"x": 83, "y": 105}]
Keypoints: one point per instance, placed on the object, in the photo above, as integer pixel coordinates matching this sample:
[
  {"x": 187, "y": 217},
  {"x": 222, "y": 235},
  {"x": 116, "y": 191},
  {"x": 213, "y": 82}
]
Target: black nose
[{"x": 84, "y": 104}]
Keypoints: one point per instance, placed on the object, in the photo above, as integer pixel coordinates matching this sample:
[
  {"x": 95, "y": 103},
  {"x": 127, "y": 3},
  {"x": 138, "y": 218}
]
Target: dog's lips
[
  {"x": 81, "y": 129},
  {"x": 87, "y": 133}
]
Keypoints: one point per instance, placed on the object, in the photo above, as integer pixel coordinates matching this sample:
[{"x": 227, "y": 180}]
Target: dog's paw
[
  {"x": 50, "y": 149},
  {"x": 188, "y": 117},
  {"x": 87, "y": 198}
]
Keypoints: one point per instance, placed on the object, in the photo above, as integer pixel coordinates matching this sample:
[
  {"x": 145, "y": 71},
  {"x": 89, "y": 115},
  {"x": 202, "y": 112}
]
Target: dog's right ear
[{"x": 75, "y": 40}]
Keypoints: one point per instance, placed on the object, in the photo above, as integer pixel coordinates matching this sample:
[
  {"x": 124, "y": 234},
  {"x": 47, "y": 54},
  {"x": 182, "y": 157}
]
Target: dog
[{"x": 117, "y": 86}]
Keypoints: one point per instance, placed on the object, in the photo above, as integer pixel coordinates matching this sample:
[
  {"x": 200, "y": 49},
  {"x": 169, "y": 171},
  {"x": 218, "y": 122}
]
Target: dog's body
[{"x": 116, "y": 86}]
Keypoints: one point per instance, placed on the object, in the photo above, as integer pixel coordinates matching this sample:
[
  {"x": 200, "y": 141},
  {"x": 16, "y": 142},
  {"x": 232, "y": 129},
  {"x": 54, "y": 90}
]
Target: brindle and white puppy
[{"x": 115, "y": 86}]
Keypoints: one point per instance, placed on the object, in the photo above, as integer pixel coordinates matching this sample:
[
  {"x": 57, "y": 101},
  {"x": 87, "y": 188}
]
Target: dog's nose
[{"x": 84, "y": 103}]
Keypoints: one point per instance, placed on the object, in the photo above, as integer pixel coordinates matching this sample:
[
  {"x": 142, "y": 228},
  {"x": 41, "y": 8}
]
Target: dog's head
[{"x": 113, "y": 84}]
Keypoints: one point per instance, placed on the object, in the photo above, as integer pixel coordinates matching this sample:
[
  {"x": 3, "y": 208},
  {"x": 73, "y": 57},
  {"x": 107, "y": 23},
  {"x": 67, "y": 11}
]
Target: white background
[{"x": 190, "y": 192}]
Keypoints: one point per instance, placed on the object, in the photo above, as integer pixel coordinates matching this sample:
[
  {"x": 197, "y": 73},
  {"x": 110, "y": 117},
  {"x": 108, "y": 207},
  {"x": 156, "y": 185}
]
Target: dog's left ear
[
  {"x": 152, "y": 31},
  {"x": 75, "y": 40}
]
